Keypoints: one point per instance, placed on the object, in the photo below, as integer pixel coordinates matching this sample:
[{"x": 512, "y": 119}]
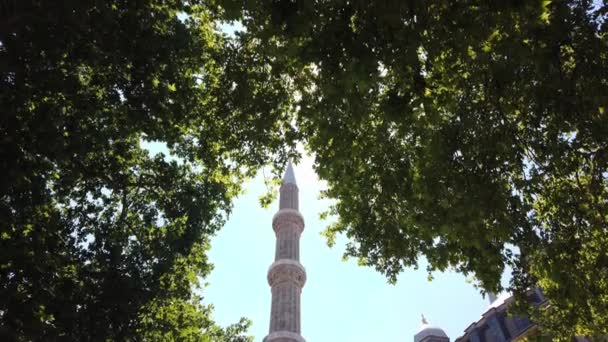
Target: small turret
[{"x": 429, "y": 333}]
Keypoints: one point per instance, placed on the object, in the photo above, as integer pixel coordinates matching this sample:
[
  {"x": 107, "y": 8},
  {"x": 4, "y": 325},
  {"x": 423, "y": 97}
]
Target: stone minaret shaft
[{"x": 286, "y": 276}]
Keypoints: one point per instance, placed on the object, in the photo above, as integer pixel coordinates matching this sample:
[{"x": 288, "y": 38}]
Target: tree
[
  {"x": 472, "y": 133},
  {"x": 99, "y": 240}
]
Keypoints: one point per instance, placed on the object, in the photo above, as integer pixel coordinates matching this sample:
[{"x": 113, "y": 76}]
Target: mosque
[
  {"x": 495, "y": 325},
  {"x": 286, "y": 277}
]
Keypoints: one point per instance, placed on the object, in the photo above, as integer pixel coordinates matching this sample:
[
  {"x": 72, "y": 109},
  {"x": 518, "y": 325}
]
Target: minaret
[{"x": 286, "y": 276}]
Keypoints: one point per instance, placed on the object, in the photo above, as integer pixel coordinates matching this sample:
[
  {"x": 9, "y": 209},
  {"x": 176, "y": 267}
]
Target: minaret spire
[
  {"x": 289, "y": 177},
  {"x": 288, "y": 198},
  {"x": 286, "y": 276}
]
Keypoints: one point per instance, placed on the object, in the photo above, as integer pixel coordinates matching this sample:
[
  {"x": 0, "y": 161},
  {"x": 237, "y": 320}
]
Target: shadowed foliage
[{"x": 99, "y": 240}]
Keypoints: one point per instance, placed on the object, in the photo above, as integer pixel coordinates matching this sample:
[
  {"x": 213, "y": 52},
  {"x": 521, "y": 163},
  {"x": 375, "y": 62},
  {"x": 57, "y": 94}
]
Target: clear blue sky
[{"x": 340, "y": 301}]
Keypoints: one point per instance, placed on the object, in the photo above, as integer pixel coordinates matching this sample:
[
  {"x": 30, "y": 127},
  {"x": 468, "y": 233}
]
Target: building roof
[{"x": 499, "y": 304}]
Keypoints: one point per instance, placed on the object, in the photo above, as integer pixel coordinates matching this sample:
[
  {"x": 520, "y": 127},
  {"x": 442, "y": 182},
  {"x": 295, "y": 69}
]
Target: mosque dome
[{"x": 429, "y": 332}]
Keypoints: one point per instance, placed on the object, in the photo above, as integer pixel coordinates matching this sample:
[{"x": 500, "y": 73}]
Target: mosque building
[
  {"x": 495, "y": 325},
  {"x": 286, "y": 277}
]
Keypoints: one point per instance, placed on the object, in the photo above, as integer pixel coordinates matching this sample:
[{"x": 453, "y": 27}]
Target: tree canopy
[
  {"x": 473, "y": 133},
  {"x": 99, "y": 240},
  {"x": 470, "y": 133}
]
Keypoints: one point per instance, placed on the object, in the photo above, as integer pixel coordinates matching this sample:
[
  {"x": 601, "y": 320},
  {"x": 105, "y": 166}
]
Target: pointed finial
[
  {"x": 424, "y": 321},
  {"x": 289, "y": 177},
  {"x": 492, "y": 297}
]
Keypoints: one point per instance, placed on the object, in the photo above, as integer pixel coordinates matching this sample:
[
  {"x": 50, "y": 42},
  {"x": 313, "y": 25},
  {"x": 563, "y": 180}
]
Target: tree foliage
[
  {"x": 473, "y": 133},
  {"x": 99, "y": 240}
]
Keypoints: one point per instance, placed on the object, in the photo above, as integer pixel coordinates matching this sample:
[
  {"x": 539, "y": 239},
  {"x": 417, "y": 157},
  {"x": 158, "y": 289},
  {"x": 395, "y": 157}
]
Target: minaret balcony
[
  {"x": 287, "y": 217},
  {"x": 284, "y": 336},
  {"x": 286, "y": 270}
]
